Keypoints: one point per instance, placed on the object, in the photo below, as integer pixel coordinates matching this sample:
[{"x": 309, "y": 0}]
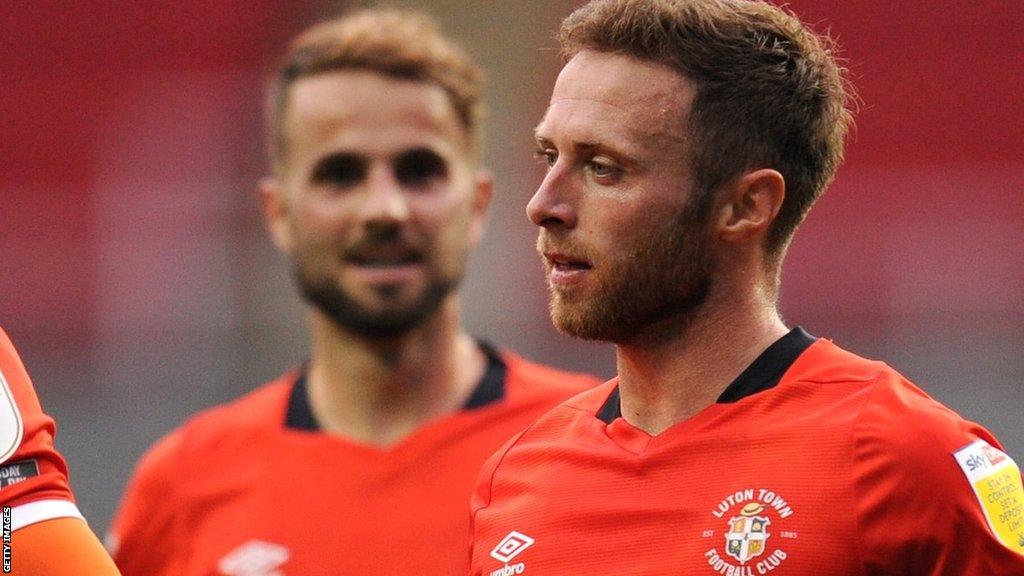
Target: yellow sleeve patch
[{"x": 996, "y": 481}]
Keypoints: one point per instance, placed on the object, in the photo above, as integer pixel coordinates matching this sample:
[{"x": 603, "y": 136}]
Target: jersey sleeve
[
  {"x": 936, "y": 494},
  {"x": 146, "y": 535},
  {"x": 33, "y": 475},
  {"x": 59, "y": 547}
]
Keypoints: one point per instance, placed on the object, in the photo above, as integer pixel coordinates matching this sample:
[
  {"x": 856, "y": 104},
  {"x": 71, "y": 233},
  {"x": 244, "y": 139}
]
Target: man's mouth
[
  {"x": 384, "y": 260},
  {"x": 565, "y": 269},
  {"x": 385, "y": 266}
]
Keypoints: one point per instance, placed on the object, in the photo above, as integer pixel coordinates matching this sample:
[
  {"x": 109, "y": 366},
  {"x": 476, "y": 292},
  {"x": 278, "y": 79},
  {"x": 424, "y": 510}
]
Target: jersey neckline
[
  {"x": 490, "y": 389},
  {"x": 762, "y": 374}
]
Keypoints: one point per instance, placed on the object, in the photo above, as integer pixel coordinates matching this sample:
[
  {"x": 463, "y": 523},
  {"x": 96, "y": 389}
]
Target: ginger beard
[{"x": 662, "y": 272}]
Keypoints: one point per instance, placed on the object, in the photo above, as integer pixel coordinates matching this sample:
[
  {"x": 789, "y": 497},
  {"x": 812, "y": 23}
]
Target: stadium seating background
[{"x": 139, "y": 286}]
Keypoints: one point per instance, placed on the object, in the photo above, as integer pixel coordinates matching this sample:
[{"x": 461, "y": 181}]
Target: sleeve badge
[{"x": 996, "y": 481}]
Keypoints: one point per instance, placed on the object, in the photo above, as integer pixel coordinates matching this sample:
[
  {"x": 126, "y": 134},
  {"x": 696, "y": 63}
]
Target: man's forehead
[
  {"x": 350, "y": 95},
  {"x": 604, "y": 91},
  {"x": 352, "y": 109}
]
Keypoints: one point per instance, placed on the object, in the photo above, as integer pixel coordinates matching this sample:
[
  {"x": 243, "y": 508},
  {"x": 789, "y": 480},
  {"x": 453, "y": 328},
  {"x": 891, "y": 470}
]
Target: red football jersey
[
  {"x": 33, "y": 476},
  {"x": 254, "y": 488},
  {"x": 814, "y": 461}
]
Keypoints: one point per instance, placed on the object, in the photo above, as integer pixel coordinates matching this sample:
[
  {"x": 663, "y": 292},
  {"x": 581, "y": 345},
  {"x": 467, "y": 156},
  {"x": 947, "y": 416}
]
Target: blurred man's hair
[
  {"x": 396, "y": 43},
  {"x": 769, "y": 93}
]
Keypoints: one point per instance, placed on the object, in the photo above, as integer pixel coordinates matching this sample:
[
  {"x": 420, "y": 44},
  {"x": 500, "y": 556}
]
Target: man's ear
[
  {"x": 275, "y": 209},
  {"x": 483, "y": 190},
  {"x": 750, "y": 204}
]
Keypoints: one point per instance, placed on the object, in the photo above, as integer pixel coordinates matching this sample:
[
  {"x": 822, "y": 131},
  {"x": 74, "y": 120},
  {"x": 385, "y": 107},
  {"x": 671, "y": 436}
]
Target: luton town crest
[
  {"x": 747, "y": 533},
  {"x": 748, "y": 515}
]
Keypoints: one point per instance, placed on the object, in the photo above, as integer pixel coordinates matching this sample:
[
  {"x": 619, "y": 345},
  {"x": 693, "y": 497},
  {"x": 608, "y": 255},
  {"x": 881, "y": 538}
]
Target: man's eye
[
  {"x": 340, "y": 171},
  {"x": 602, "y": 170},
  {"x": 418, "y": 168},
  {"x": 548, "y": 157}
]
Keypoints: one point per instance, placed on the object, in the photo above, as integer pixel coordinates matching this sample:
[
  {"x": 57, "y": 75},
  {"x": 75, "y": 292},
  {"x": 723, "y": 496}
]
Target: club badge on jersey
[
  {"x": 754, "y": 528},
  {"x": 995, "y": 478}
]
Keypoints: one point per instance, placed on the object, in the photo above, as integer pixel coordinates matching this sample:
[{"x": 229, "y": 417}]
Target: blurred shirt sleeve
[{"x": 146, "y": 535}]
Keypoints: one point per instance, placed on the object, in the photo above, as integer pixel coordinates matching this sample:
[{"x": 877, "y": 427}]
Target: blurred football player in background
[
  {"x": 362, "y": 460},
  {"x": 49, "y": 535}
]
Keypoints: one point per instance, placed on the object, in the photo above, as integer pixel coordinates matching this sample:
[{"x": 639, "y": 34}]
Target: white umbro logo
[
  {"x": 254, "y": 558},
  {"x": 511, "y": 546}
]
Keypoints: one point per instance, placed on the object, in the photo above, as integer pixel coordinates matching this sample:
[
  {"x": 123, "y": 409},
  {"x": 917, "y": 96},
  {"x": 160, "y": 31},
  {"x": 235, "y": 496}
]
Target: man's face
[
  {"x": 622, "y": 238},
  {"x": 378, "y": 200}
]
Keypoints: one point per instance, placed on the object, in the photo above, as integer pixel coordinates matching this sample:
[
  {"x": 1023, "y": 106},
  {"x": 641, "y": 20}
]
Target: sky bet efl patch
[{"x": 997, "y": 484}]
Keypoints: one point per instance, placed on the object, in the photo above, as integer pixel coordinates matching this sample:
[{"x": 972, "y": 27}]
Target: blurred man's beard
[
  {"x": 332, "y": 301},
  {"x": 665, "y": 276}
]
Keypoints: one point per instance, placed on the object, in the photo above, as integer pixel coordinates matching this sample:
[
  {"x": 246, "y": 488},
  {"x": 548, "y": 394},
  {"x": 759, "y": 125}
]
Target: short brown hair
[
  {"x": 396, "y": 43},
  {"x": 769, "y": 92}
]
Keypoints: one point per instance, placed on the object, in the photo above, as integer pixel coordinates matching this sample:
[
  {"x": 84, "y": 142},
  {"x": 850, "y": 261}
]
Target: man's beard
[
  {"x": 665, "y": 276},
  {"x": 321, "y": 291}
]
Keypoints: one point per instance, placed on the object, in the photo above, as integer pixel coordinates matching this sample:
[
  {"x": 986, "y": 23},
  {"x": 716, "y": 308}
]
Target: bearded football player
[
  {"x": 362, "y": 460},
  {"x": 685, "y": 141}
]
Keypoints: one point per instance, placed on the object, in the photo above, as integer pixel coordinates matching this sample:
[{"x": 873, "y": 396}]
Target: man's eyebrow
[
  {"x": 336, "y": 157},
  {"x": 584, "y": 146},
  {"x": 335, "y": 154},
  {"x": 589, "y": 148},
  {"x": 418, "y": 150}
]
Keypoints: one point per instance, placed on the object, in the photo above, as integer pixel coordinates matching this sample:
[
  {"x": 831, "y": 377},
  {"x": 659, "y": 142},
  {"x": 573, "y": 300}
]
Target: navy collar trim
[
  {"x": 762, "y": 374},
  {"x": 490, "y": 389}
]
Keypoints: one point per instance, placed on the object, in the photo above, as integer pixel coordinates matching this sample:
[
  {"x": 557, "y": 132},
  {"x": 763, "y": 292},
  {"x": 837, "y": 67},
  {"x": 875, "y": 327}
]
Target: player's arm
[
  {"x": 936, "y": 495},
  {"x": 48, "y": 534},
  {"x": 59, "y": 547}
]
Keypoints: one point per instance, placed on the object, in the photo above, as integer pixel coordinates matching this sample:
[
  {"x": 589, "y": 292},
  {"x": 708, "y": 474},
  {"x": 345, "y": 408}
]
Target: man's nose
[
  {"x": 552, "y": 204},
  {"x": 385, "y": 200}
]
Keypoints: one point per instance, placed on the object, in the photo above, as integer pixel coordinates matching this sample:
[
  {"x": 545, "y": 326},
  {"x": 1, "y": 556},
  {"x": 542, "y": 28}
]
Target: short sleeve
[
  {"x": 33, "y": 475},
  {"x": 918, "y": 512}
]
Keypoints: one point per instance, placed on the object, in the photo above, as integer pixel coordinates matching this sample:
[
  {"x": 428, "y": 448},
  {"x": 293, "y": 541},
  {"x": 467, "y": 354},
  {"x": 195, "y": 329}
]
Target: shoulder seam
[
  {"x": 858, "y": 545},
  {"x": 494, "y": 473}
]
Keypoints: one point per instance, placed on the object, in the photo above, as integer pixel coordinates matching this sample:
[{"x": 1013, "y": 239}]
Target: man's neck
[
  {"x": 381, "y": 391},
  {"x": 680, "y": 368}
]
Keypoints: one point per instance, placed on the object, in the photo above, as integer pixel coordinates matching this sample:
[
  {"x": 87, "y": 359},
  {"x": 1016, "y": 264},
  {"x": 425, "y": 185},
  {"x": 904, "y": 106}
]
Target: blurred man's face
[
  {"x": 624, "y": 245},
  {"x": 378, "y": 201}
]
